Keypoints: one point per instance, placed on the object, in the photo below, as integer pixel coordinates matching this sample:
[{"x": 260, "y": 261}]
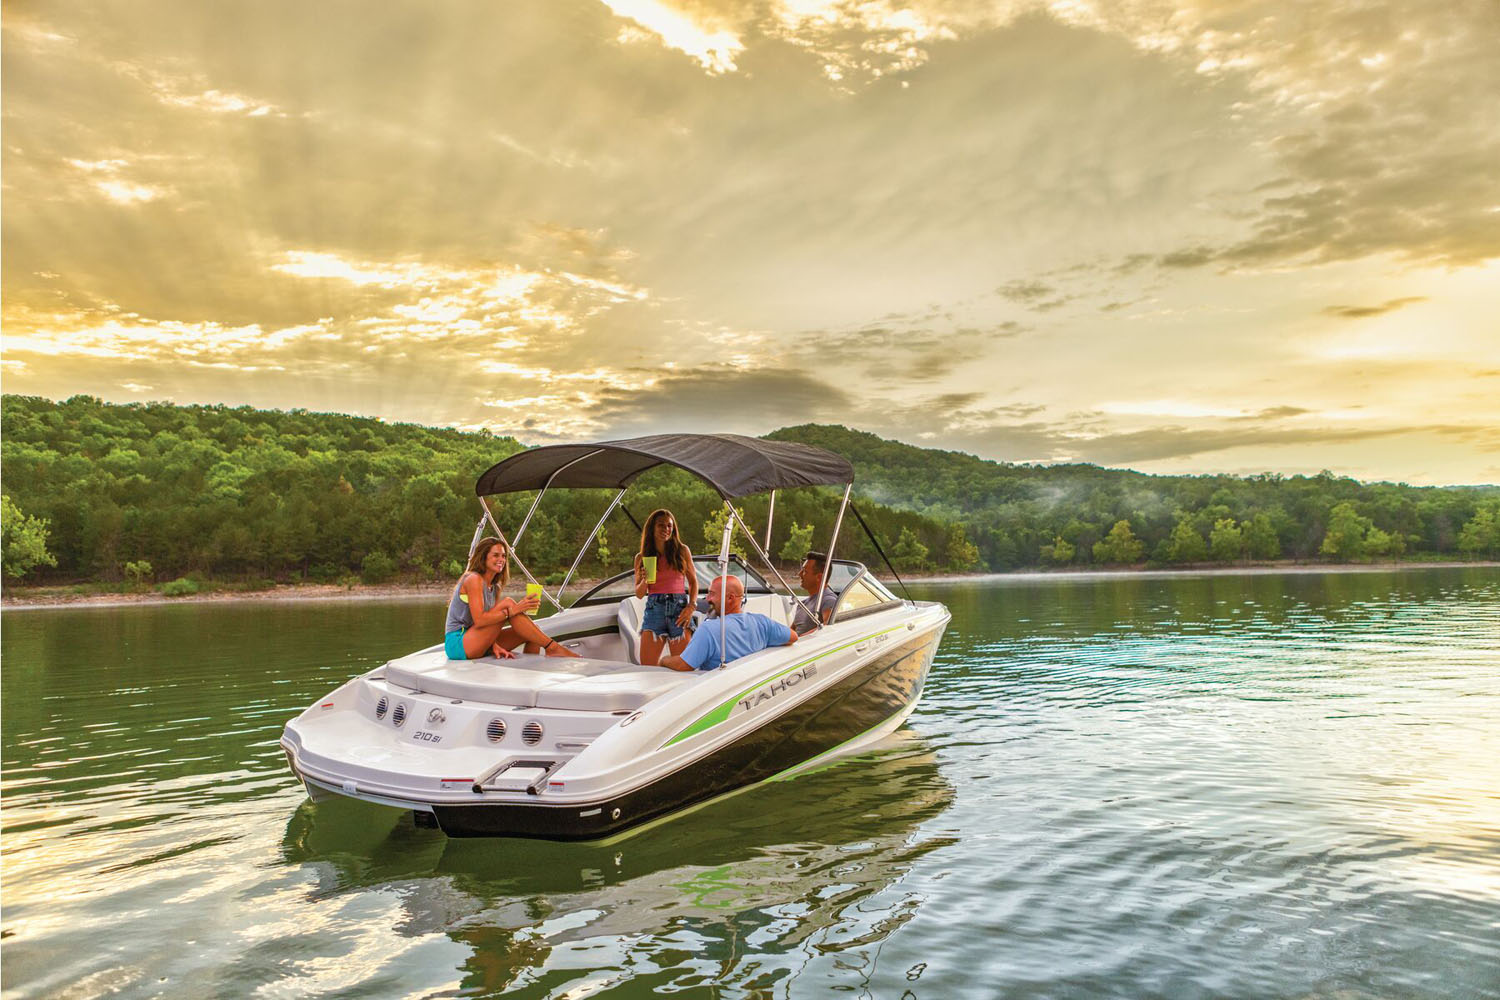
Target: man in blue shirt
[{"x": 745, "y": 632}]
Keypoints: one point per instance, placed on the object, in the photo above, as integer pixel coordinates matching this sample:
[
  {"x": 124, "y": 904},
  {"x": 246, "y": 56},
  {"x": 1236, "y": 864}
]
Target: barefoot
[{"x": 558, "y": 649}]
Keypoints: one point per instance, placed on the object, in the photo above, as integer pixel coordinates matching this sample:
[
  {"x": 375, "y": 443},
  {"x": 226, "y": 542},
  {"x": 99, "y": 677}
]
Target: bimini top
[{"x": 734, "y": 465}]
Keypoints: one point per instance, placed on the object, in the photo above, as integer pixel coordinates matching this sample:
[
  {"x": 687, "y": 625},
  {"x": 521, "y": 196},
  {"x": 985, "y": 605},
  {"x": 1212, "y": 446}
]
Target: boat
[{"x": 588, "y": 748}]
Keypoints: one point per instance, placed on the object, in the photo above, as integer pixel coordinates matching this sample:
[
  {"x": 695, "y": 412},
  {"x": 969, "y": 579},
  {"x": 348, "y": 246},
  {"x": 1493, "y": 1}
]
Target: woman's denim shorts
[{"x": 661, "y": 615}]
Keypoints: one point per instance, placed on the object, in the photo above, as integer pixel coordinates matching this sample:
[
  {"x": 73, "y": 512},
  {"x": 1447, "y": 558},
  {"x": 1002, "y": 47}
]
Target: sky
[{"x": 1179, "y": 236}]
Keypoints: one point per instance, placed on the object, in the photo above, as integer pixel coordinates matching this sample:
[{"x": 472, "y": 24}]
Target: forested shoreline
[{"x": 159, "y": 494}]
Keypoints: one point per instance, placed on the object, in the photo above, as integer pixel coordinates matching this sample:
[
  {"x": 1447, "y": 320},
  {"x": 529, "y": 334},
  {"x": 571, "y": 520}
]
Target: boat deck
[{"x": 535, "y": 681}]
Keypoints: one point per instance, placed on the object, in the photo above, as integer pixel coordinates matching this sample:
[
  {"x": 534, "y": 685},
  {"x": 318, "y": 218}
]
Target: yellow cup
[
  {"x": 649, "y": 562},
  {"x": 534, "y": 590}
]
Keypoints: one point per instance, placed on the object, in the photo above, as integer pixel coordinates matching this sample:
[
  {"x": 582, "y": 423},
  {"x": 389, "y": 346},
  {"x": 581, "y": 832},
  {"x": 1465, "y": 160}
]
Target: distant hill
[
  {"x": 1029, "y": 515},
  {"x": 103, "y": 492},
  {"x": 152, "y": 491}
]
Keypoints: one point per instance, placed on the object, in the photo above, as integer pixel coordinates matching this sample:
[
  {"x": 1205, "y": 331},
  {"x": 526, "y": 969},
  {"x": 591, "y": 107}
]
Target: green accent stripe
[{"x": 721, "y": 712}]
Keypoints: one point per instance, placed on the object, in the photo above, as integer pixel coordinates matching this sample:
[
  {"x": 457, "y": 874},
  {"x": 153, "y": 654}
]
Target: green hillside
[
  {"x": 156, "y": 491},
  {"x": 146, "y": 492},
  {"x": 1035, "y": 515}
]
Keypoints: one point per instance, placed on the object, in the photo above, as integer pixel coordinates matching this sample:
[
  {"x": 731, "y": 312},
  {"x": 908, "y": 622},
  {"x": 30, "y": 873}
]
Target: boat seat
[
  {"x": 773, "y": 606},
  {"x": 532, "y": 680},
  {"x": 632, "y": 612}
]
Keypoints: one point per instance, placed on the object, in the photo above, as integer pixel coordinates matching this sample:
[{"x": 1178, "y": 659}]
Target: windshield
[{"x": 617, "y": 588}]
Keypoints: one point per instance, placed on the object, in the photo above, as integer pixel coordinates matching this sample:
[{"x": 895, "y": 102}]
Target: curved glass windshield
[{"x": 861, "y": 592}]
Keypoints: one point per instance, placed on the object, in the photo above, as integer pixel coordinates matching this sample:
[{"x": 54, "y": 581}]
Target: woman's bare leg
[
  {"x": 678, "y": 645},
  {"x": 651, "y": 644},
  {"x": 478, "y": 640},
  {"x": 521, "y": 629}
]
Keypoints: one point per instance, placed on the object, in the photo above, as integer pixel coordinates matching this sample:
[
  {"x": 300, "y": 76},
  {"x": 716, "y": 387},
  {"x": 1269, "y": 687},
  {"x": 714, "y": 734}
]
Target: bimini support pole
[
  {"x": 478, "y": 534},
  {"x": 770, "y": 517},
  {"x": 832, "y": 543},
  {"x": 513, "y": 557},
  {"x": 729, "y": 523},
  {"x": 542, "y": 492},
  {"x": 592, "y": 535},
  {"x": 772, "y": 567}
]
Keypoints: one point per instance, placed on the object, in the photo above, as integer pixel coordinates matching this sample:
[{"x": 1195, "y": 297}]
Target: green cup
[{"x": 649, "y": 563}]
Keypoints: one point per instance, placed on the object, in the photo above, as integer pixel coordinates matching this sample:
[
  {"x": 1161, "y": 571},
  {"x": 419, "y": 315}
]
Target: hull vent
[
  {"x": 398, "y": 717},
  {"x": 531, "y": 733},
  {"x": 381, "y": 707},
  {"x": 495, "y": 730}
]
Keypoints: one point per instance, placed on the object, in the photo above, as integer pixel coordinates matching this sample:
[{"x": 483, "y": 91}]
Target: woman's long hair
[
  {"x": 675, "y": 554},
  {"x": 482, "y": 552}
]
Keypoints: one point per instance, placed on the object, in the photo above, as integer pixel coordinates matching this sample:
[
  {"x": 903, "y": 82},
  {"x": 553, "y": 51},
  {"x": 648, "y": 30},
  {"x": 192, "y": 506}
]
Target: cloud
[
  {"x": 1026, "y": 292},
  {"x": 1188, "y": 257},
  {"x": 543, "y": 210},
  {"x": 713, "y": 46},
  {"x": 726, "y": 398},
  {"x": 1364, "y": 312}
]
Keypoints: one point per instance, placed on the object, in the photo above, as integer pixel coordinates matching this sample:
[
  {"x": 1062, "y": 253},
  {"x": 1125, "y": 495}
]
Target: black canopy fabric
[{"x": 734, "y": 465}]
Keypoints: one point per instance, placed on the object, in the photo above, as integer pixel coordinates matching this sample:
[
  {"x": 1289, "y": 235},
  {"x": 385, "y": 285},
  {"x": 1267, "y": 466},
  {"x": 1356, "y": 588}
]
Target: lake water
[{"x": 1219, "y": 786}]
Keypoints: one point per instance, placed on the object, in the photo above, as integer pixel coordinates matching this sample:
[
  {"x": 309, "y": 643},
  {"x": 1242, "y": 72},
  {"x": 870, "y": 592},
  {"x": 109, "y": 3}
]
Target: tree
[
  {"x": 1225, "y": 543},
  {"x": 1481, "y": 535},
  {"x": 1378, "y": 543},
  {"x": 798, "y": 543},
  {"x": 960, "y": 553},
  {"x": 1344, "y": 538},
  {"x": 1185, "y": 545},
  {"x": 138, "y": 573},
  {"x": 713, "y": 533},
  {"x": 1260, "y": 537},
  {"x": 23, "y": 540},
  {"x": 601, "y": 545},
  {"x": 1119, "y": 546},
  {"x": 1060, "y": 552},
  {"x": 909, "y": 552},
  {"x": 377, "y": 567}
]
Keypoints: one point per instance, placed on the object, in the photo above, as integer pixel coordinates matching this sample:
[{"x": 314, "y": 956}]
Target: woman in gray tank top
[{"x": 480, "y": 621}]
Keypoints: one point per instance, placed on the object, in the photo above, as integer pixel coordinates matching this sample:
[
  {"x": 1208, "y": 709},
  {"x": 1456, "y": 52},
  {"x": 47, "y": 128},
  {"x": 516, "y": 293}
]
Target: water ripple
[{"x": 1188, "y": 787}]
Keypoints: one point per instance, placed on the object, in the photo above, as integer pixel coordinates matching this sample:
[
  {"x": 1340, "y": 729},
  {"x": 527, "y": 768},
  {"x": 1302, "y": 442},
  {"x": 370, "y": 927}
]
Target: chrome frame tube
[
  {"x": 513, "y": 557},
  {"x": 579, "y": 558},
  {"x": 543, "y": 492},
  {"x": 832, "y": 544},
  {"x": 729, "y": 524},
  {"x": 772, "y": 567},
  {"x": 478, "y": 534},
  {"x": 770, "y": 518}
]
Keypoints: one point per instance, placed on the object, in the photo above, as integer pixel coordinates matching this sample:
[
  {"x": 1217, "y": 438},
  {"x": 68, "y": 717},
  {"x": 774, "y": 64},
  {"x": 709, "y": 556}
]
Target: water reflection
[{"x": 748, "y": 882}]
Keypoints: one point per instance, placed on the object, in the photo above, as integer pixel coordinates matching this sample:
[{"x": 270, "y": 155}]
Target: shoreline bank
[{"x": 44, "y": 598}]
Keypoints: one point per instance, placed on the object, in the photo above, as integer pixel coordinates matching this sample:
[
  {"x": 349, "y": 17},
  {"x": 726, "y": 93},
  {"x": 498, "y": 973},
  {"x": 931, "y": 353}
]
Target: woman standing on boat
[
  {"x": 664, "y": 576},
  {"x": 480, "y": 621}
]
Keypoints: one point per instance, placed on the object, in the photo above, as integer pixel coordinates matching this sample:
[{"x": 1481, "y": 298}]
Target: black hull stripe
[{"x": 851, "y": 707}]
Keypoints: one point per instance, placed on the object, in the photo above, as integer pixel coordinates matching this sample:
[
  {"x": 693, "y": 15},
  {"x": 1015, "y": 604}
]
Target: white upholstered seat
[
  {"x": 533, "y": 681},
  {"x": 632, "y": 611}
]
